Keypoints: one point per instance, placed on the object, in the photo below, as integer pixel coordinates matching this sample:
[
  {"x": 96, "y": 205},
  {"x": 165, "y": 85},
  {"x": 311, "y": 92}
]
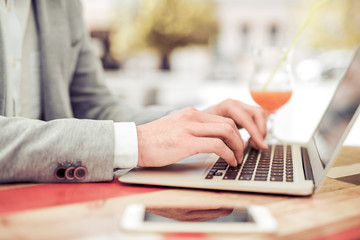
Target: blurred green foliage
[{"x": 164, "y": 25}]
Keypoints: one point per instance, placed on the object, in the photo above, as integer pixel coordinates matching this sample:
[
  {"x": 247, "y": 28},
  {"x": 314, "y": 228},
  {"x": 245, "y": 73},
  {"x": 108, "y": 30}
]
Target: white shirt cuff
[{"x": 126, "y": 145}]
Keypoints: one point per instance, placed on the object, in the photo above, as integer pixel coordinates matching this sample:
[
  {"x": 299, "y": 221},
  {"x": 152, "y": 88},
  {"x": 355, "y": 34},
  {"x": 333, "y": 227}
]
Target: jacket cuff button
[
  {"x": 60, "y": 173},
  {"x": 69, "y": 173},
  {"x": 80, "y": 173}
]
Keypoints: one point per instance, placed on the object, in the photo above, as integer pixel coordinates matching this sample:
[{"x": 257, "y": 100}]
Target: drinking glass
[{"x": 271, "y": 84}]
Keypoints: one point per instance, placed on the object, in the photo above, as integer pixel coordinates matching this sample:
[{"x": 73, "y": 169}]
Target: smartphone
[{"x": 251, "y": 219}]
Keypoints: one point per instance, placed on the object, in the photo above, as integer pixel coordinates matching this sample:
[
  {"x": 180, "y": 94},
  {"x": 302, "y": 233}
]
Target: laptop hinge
[{"x": 306, "y": 164}]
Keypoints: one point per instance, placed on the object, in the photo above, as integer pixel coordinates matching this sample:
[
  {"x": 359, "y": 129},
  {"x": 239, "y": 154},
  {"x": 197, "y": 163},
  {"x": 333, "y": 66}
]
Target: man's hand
[
  {"x": 189, "y": 131},
  {"x": 252, "y": 118}
]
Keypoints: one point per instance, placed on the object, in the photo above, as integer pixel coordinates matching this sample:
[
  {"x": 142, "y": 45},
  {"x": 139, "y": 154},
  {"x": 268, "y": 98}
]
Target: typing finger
[{"x": 224, "y": 132}]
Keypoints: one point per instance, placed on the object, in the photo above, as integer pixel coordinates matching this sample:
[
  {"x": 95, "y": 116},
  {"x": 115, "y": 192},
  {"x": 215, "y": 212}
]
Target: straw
[{"x": 314, "y": 9}]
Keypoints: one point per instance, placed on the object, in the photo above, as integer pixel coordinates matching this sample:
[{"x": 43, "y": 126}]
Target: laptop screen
[{"x": 339, "y": 113}]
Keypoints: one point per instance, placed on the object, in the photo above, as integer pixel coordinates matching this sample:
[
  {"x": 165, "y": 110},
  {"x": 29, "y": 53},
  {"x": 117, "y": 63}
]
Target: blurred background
[{"x": 198, "y": 52}]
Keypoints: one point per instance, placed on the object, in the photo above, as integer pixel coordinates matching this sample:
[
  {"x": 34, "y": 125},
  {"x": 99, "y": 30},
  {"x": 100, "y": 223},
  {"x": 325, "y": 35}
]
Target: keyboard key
[
  {"x": 219, "y": 167},
  {"x": 261, "y": 175},
  {"x": 231, "y": 173},
  {"x": 245, "y": 177},
  {"x": 248, "y": 169},
  {"x": 248, "y": 172},
  {"x": 252, "y": 165},
  {"x": 209, "y": 176},
  {"x": 277, "y": 174},
  {"x": 218, "y": 174},
  {"x": 276, "y": 179},
  {"x": 264, "y": 162},
  {"x": 234, "y": 169},
  {"x": 259, "y": 168},
  {"x": 220, "y": 164},
  {"x": 260, "y": 178},
  {"x": 281, "y": 167},
  {"x": 221, "y": 161},
  {"x": 230, "y": 176}
]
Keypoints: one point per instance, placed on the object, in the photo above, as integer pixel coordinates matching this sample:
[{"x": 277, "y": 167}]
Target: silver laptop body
[{"x": 301, "y": 175}]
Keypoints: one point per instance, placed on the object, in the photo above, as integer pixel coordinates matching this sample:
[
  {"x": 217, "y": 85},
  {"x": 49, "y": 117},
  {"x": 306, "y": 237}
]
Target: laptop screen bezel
[{"x": 319, "y": 172}]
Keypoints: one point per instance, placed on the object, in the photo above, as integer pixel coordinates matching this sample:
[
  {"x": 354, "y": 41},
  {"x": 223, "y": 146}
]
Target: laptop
[{"x": 286, "y": 168}]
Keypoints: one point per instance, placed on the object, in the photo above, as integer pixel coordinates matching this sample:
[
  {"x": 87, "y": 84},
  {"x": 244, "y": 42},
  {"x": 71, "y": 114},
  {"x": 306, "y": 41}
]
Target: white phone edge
[{"x": 264, "y": 222}]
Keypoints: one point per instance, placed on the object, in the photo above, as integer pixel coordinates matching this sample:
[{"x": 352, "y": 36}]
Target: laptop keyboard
[{"x": 274, "y": 164}]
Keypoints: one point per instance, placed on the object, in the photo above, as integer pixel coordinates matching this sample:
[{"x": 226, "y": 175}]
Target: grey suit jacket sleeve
[
  {"x": 77, "y": 108},
  {"x": 31, "y": 150}
]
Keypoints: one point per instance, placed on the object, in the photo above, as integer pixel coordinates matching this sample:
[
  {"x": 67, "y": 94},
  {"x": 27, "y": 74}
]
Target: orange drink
[
  {"x": 271, "y": 91},
  {"x": 271, "y": 100}
]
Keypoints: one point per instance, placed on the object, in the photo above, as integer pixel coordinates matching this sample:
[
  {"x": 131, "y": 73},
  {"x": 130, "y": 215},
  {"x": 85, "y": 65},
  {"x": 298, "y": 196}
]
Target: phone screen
[
  {"x": 218, "y": 215},
  {"x": 248, "y": 219}
]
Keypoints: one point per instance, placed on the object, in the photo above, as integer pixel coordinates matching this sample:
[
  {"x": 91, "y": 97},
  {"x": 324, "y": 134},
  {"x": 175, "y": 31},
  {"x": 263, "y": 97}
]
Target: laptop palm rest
[{"x": 194, "y": 166}]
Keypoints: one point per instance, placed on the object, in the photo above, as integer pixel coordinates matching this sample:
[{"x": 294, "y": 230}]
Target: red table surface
[{"x": 54, "y": 194}]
